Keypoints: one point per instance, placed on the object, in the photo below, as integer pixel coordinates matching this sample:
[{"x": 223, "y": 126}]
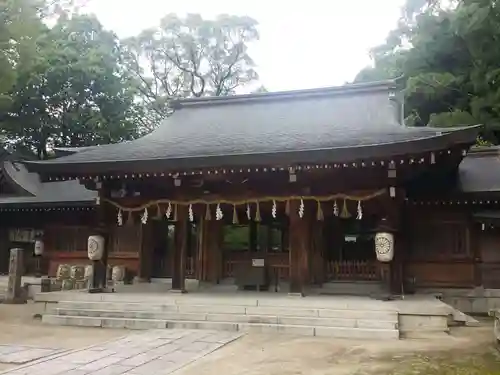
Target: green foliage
[
  {"x": 190, "y": 57},
  {"x": 447, "y": 52},
  {"x": 73, "y": 92},
  {"x": 75, "y": 84},
  {"x": 236, "y": 237},
  {"x": 19, "y": 27}
]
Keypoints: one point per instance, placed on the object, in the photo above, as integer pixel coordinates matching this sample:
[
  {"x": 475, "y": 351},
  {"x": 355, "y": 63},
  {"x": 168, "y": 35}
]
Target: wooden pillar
[
  {"x": 317, "y": 256},
  {"x": 474, "y": 247},
  {"x": 299, "y": 232},
  {"x": 209, "y": 263},
  {"x": 202, "y": 253},
  {"x": 100, "y": 267},
  {"x": 392, "y": 272},
  {"x": 214, "y": 250},
  {"x": 180, "y": 250},
  {"x": 145, "y": 253}
]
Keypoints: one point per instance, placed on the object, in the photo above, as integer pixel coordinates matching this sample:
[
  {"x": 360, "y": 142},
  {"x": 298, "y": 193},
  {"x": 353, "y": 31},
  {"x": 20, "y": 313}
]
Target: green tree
[
  {"x": 447, "y": 53},
  {"x": 20, "y": 25},
  {"x": 76, "y": 91},
  {"x": 190, "y": 57}
]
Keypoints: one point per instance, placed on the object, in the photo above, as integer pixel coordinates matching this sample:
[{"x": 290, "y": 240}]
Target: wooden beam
[{"x": 180, "y": 250}]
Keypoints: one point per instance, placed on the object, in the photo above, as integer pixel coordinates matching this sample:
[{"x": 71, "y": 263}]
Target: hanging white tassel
[
  {"x": 190, "y": 213},
  {"x": 119, "y": 218},
  {"x": 168, "y": 212},
  {"x": 335, "y": 209},
  {"x": 218, "y": 213},
  {"x": 249, "y": 212},
  {"x": 359, "y": 216},
  {"x": 144, "y": 217},
  {"x": 274, "y": 209},
  {"x": 301, "y": 208}
]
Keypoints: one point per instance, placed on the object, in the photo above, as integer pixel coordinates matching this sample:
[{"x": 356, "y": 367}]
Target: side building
[{"x": 61, "y": 214}]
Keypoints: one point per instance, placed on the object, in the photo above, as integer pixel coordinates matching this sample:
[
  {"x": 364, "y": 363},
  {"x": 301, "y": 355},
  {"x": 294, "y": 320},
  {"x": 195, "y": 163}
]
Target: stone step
[
  {"x": 379, "y": 315},
  {"x": 336, "y": 332},
  {"x": 351, "y": 288},
  {"x": 234, "y": 318},
  {"x": 268, "y": 300}
]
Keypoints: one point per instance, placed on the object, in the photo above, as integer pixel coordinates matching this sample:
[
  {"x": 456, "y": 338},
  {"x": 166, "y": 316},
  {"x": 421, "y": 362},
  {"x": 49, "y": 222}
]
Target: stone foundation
[{"x": 470, "y": 301}]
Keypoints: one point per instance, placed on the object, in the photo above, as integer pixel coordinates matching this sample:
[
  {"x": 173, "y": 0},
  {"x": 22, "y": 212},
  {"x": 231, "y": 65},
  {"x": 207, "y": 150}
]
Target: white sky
[{"x": 303, "y": 44}]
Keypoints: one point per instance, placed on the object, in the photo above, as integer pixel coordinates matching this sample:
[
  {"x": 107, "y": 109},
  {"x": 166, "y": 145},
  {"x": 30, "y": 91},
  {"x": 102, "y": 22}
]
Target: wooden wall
[
  {"x": 68, "y": 245},
  {"x": 65, "y": 239},
  {"x": 441, "y": 247},
  {"x": 489, "y": 246}
]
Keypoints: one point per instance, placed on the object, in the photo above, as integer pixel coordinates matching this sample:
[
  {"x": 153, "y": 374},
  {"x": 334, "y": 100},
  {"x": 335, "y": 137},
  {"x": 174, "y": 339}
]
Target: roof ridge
[{"x": 347, "y": 89}]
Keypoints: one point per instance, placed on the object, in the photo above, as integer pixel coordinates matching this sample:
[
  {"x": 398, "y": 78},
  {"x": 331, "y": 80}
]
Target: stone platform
[{"x": 149, "y": 307}]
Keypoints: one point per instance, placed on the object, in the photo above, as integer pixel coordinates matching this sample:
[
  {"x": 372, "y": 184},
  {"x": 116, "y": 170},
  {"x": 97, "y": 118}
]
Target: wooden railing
[
  {"x": 277, "y": 263},
  {"x": 352, "y": 270},
  {"x": 335, "y": 270},
  {"x": 280, "y": 271}
]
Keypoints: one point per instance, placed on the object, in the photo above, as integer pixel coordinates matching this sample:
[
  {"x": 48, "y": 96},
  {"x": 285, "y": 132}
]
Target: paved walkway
[
  {"x": 150, "y": 352},
  {"x": 19, "y": 354}
]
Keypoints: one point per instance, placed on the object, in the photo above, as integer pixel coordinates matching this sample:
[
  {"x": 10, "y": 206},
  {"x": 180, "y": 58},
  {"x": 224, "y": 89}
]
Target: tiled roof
[{"x": 331, "y": 124}]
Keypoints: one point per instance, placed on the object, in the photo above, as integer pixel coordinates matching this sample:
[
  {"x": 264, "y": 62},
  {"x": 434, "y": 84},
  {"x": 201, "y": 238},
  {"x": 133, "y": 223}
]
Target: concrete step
[
  {"x": 336, "y": 332},
  {"x": 377, "y": 315},
  {"x": 366, "y": 322}
]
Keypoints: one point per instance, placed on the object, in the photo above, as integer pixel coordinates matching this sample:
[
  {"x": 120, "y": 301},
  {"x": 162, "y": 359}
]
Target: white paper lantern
[
  {"x": 39, "y": 247},
  {"x": 384, "y": 246},
  {"x": 95, "y": 247}
]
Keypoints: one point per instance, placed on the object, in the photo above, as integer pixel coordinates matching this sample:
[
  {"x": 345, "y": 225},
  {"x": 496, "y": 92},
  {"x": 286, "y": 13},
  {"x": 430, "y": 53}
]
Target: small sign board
[
  {"x": 350, "y": 238},
  {"x": 257, "y": 262},
  {"x": 21, "y": 235}
]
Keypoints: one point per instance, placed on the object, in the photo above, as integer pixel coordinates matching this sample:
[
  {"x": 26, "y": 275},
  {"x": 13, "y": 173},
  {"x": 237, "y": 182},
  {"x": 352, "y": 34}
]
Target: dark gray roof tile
[
  {"x": 44, "y": 193},
  {"x": 330, "y": 124}
]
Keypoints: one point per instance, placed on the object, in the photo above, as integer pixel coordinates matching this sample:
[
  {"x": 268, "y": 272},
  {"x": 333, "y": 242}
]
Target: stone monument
[
  {"x": 15, "y": 293},
  {"x": 496, "y": 326}
]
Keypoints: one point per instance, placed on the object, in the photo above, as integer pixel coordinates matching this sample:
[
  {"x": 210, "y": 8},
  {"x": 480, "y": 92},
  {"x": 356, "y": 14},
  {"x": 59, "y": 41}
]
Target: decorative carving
[
  {"x": 95, "y": 247},
  {"x": 384, "y": 246},
  {"x": 89, "y": 271},
  {"x": 39, "y": 247},
  {"x": 77, "y": 272},
  {"x": 118, "y": 273},
  {"x": 63, "y": 272},
  {"x": 67, "y": 284}
]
